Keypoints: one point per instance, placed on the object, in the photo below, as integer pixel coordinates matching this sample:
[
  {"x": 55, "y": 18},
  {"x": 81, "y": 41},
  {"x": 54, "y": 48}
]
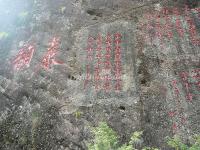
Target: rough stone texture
[{"x": 50, "y": 109}]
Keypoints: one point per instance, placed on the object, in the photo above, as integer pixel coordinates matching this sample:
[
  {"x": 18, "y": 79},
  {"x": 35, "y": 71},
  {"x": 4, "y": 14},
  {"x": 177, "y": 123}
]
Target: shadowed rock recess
[{"x": 66, "y": 65}]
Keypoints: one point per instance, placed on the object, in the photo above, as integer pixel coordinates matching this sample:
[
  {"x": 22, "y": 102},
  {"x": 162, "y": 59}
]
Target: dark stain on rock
[{"x": 95, "y": 12}]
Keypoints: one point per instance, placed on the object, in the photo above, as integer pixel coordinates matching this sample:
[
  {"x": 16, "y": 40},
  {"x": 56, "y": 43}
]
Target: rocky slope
[{"x": 56, "y": 82}]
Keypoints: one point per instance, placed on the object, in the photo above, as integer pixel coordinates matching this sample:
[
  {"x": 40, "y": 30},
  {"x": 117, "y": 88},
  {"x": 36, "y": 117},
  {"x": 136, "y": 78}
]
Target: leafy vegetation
[
  {"x": 177, "y": 144},
  {"x": 106, "y": 139},
  {"x": 78, "y": 114}
]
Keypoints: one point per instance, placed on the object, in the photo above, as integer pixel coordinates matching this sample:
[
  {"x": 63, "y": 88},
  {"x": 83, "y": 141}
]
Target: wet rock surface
[{"x": 54, "y": 108}]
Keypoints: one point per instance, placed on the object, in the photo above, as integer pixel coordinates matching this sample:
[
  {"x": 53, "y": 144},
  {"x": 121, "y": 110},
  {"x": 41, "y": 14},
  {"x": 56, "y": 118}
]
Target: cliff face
[{"x": 68, "y": 65}]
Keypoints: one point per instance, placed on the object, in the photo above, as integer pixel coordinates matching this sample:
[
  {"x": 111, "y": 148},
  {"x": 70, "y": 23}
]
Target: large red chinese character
[
  {"x": 49, "y": 57},
  {"x": 23, "y": 58}
]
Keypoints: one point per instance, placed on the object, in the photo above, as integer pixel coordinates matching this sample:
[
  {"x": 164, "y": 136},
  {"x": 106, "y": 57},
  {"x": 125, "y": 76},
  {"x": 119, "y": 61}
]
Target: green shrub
[
  {"x": 106, "y": 139},
  {"x": 77, "y": 114},
  {"x": 177, "y": 144}
]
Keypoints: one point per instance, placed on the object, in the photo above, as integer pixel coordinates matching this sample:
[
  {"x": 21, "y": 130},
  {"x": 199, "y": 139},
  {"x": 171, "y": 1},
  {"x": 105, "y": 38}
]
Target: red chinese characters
[
  {"x": 178, "y": 117},
  {"x": 101, "y": 65},
  {"x": 23, "y": 58},
  {"x": 168, "y": 25},
  {"x": 118, "y": 61},
  {"x": 179, "y": 121},
  {"x": 49, "y": 57},
  {"x": 187, "y": 79}
]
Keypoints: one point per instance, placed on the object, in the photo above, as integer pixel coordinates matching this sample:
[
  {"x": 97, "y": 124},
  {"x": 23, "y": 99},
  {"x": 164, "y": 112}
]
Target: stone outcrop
[{"x": 54, "y": 83}]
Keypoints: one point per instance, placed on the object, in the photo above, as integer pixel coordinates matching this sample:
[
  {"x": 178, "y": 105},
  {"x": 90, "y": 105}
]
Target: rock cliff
[{"x": 67, "y": 65}]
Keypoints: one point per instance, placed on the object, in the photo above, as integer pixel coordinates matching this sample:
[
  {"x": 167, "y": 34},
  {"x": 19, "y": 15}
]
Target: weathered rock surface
[{"x": 50, "y": 108}]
